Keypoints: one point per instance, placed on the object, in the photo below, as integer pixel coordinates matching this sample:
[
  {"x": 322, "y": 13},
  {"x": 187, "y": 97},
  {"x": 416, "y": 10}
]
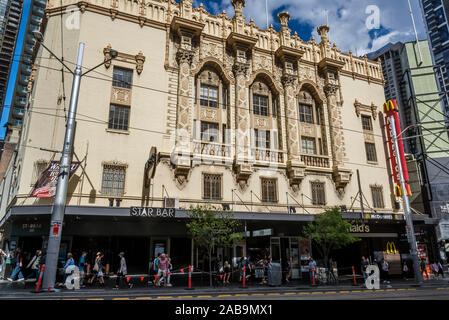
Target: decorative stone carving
[
  {"x": 372, "y": 109},
  {"x": 140, "y": 59},
  {"x": 184, "y": 56},
  {"x": 240, "y": 69},
  {"x": 121, "y": 96},
  {"x": 107, "y": 56}
]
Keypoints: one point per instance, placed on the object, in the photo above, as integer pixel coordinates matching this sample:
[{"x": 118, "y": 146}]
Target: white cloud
[{"x": 346, "y": 19}]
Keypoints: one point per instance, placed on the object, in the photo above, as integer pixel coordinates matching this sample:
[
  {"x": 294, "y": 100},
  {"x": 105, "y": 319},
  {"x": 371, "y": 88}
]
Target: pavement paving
[{"x": 25, "y": 290}]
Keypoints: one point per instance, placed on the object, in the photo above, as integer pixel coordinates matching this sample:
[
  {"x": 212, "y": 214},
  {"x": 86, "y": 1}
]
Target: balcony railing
[
  {"x": 315, "y": 160},
  {"x": 261, "y": 154},
  {"x": 212, "y": 149}
]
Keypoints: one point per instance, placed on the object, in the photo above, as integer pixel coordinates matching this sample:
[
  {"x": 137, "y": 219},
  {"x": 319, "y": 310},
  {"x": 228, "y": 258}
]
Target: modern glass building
[{"x": 20, "y": 70}]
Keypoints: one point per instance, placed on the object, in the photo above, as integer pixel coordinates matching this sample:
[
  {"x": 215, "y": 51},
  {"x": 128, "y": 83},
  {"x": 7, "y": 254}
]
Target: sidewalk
[{"x": 25, "y": 289}]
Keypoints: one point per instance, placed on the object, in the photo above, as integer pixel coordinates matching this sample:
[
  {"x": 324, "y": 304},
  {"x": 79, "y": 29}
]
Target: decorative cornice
[
  {"x": 289, "y": 80},
  {"x": 366, "y": 108},
  {"x": 330, "y": 89},
  {"x": 240, "y": 69},
  {"x": 137, "y": 59},
  {"x": 184, "y": 56}
]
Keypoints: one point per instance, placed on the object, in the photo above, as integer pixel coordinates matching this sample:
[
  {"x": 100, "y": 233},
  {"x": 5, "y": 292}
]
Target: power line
[{"x": 110, "y": 79}]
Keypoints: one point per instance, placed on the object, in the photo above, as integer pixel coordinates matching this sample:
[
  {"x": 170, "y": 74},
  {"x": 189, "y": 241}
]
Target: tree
[
  {"x": 329, "y": 232},
  {"x": 210, "y": 227}
]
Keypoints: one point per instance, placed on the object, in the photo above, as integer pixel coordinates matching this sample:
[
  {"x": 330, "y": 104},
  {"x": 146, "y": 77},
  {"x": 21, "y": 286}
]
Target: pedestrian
[
  {"x": 423, "y": 266},
  {"x": 34, "y": 265},
  {"x": 122, "y": 272},
  {"x": 312, "y": 269},
  {"x": 440, "y": 268},
  {"x": 227, "y": 273},
  {"x": 170, "y": 268},
  {"x": 162, "y": 270},
  {"x": 18, "y": 266},
  {"x": 364, "y": 265},
  {"x": 434, "y": 268},
  {"x": 289, "y": 270},
  {"x": 82, "y": 267},
  {"x": 70, "y": 262},
  {"x": 386, "y": 271},
  {"x": 156, "y": 267},
  {"x": 3, "y": 257},
  {"x": 101, "y": 270},
  {"x": 96, "y": 269},
  {"x": 405, "y": 270}
]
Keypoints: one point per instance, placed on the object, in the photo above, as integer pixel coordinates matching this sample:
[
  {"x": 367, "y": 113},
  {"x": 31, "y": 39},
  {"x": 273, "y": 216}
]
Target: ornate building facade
[{"x": 257, "y": 121}]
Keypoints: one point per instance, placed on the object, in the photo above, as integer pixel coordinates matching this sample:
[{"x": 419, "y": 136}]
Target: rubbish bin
[{"x": 274, "y": 274}]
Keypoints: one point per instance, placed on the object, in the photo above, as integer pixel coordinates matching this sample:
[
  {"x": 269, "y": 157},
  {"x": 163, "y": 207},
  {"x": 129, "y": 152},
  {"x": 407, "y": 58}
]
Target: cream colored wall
[{"x": 149, "y": 111}]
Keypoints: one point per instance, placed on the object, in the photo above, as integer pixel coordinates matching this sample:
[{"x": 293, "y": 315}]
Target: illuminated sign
[
  {"x": 391, "y": 247},
  {"x": 391, "y": 110}
]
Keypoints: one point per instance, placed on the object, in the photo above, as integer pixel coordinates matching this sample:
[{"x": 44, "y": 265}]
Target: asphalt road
[{"x": 423, "y": 293}]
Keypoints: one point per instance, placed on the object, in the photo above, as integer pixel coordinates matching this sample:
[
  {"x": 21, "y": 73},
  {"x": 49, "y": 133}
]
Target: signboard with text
[
  {"x": 45, "y": 187},
  {"x": 150, "y": 212}
]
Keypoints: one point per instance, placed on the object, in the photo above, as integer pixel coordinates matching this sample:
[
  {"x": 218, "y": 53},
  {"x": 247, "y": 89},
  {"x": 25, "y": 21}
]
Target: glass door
[
  {"x": 295, "y": 258},
  {"x": 275, "y": 249}
]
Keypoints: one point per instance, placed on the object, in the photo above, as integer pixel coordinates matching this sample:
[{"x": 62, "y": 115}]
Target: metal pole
[
  {"x": 408, "y": 215},
  {"x": 416, "y": 34},
  {"x": 360, "y": 193},
  {"x": 57, "y": 217},
  {"x": 288, "y": 205}
]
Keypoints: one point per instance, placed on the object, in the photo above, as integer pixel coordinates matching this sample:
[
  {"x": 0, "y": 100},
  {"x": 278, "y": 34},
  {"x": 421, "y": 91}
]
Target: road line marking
[
  {"x": 225, "y": 295},
  {"x": 343, "y": 291},
  {"x": 120, "y": 298},
  {"x": 289, "y": 293},
  {"x": 274, "y": 294},
  {"x": 389, "y": 290},
  {"x": 358, "y": 291},
  {"x": 317, "y": 292},
  {"x": 69, "y": 299},
  {"x": 144, "y": 298},
  {"x": 204, "y": 297},
  {"x": 166, "y": 297},
  {"x": 95, "y": 299},
  {"x": 329, "y": 292},
  {"x": 241, "y": 295},
  {"x": 304, "y": 293},
  {"x": 258, "y": 294},
  {"x": 378, "y": 290},
  {"x": 184, "y": 297}
]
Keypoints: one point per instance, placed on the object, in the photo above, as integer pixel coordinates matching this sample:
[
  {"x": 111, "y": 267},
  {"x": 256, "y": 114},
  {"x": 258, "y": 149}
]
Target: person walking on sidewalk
[
  {"x": 440, "y": 269},
  {"x": 155, "y": 267},
  {"x": 3, "y": 257},
  {"x": 70, "y": 262},
  {"x": 405, "y": 270},
  {"x": 122, "y": 272},
  {"x": 424, "y": 268},
  {"x": 170, "y": 268},
  {"x": 82, "y": 267},
  {"x": 96, "y": 269},
  {"x": 386, "y": 271},
  {"x": 34, "y": 265},
  {"x": 18, "y": 268},
  {"x": 227, "y": 273},
  {"x": 364, "y": 265},
  {"x": 312, "y": 269},
  {"x": 163, "y": 269}
]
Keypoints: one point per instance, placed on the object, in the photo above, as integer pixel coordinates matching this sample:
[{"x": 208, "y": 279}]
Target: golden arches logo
[
  {"x": 390, "y": 106},
  {"x": 391, "y": 247}
]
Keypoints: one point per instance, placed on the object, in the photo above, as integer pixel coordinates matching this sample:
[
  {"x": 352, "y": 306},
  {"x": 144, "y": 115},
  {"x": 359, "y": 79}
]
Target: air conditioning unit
[{"x": 171, "y": 203}]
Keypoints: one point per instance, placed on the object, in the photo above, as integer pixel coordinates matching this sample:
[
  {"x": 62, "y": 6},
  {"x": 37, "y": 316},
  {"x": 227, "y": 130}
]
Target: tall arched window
[
  {"x": 211, "y": 119},
  {"x": 264, "y": 121}
]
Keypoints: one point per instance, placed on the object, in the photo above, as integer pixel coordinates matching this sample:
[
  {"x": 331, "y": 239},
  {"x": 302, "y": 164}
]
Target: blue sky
[{"x": 346, "y": 19}]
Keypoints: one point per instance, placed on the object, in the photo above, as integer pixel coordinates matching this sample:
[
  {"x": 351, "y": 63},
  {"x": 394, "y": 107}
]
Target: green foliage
[{"x": 329, "y": 232}]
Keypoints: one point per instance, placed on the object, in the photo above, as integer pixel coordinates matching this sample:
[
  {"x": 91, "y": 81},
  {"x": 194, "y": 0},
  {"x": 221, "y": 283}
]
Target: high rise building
[
  {"x": 20, "y": 70},
  {"x": 435, "y": 15},
  {"x": 412, "y": 83}
]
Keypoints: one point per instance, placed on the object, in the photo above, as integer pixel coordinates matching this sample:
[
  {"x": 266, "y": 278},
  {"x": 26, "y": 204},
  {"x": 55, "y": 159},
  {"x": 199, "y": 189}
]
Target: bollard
[
  {"x": 353, "y": 275},
  {"x": 40, "y": 278},
  {"x": 313, "y": 275},
  {"x": 190, "y": 278},
  {"x": 244, "y": 277}
]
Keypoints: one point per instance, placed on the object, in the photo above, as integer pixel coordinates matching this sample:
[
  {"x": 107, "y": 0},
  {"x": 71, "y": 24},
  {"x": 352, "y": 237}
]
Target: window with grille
[
  {"x": 209, "y": 132},
  {"x": 308, "y": 145},
  {"x": 260, "y": 105},
  {"x": 366, "y": 123},
  {"x": 305, "y": 113},
  {"x": 269, "y": 190},
  {"x": 122, "y": 78},
  {"x": 370, "y": 149},
  {"x": 318, "y": 196},
  {"x": 262, "y": 138},
  {"x": 113, "y": 180},
  {"x": 211, "y": 186},
  {"x": 118, "y": 117},
  {"x": 378, "y": 199},
  {"x": 39, "y": 168},
  {"x": 208, "y": 96}
]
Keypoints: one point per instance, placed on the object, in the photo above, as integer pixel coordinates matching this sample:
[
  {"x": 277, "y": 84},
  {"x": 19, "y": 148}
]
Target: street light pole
[
  {"x": 57, "y": 217},
  {"x": 408, "y": 215}
]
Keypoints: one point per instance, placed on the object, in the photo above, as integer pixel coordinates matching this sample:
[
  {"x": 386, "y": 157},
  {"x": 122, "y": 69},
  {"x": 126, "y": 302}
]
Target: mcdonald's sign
[
  {"x": 391, "y": 110},
  {"x": 391, "y": 247}
]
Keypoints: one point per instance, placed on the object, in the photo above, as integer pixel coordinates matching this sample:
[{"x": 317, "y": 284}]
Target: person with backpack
[
  {"x": 156, "y": 268},
  {"x": 70, "y": 262},
  {"x": 97, "y": 270},
  {"x": 18, "y": 266},
  {"x": 34, "y": 265}
]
